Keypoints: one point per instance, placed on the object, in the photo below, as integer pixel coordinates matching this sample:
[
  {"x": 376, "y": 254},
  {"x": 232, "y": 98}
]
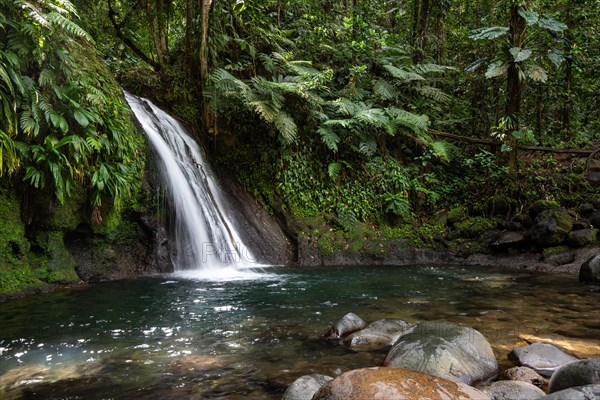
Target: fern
[
  {"x": 329, "y": 137},
  {"x": 333, "y": 170},
  {"x": 384, "y": 90},
  {"x": 56, "y": 18},
  {"x": 417, "y": 123},
  {"x": 368, "y": 147},
  {"x": 286, "y": 126},
  {"x": 372, "y": 116},
  {"x": 402, "y": 74},
  {"x": 434, "y": 94}
]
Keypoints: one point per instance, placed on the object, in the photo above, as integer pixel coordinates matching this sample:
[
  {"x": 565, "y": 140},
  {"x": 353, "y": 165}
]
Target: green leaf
[
  {"x": 384, "y": 90},
  {"x": 329, "y": 137},
  {"x": 531, "y": 17},
  {"x": 489, "y": 33},
  {"x": 552, "y": 24},
  {"x": 441, "y": 149},
  {"x": 403, "y": 75},
  {"x": 81, "y": 118},
  {"x": 495, "y": 69},
  {"x": 334, "y": 169},
  {"x": 556, "y": 58},
  {"x": 537, "y": 73},
  {"x": 474, "y": 66},
  {"x": 520, "y": 54},
  {"x": 368, "y": 147}
]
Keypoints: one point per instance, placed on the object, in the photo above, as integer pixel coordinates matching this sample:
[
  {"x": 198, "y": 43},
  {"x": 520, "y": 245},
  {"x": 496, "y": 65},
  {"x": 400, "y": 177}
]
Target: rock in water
[
  {"x": 513, "y": 390},
  {"x": 378, "y": 335},
  {"x": 590, "y": 270},
  {"x": 451, "y": 351},
  {"x": 577, "y": 373},
  {"x": 551, "y": 227},
  {"x": 305, "y": 387},
  {"x": 524, "y": 374},
  {"x": 348, "y": 324},
  {"x": 394, "y": 384},
  {"x": 591, "y": 392},
  {"x": 542, "y": 357}
]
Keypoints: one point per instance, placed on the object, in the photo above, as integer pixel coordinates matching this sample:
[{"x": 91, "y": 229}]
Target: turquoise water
[{"x": 173, "y": 337}]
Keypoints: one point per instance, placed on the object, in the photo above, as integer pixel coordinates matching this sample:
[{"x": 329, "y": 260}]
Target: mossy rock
[
  {"x": 475, "y": 227},
  {"x": 456, "y": 215},
  {"x": 551, "y": 227},
  {"x": 542, "y": 205},
  {"x": 584, "y": 237}
]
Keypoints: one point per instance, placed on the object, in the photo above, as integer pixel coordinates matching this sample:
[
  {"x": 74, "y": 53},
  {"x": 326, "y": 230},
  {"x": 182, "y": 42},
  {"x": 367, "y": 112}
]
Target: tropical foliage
[{"x": 63, "y": 118}]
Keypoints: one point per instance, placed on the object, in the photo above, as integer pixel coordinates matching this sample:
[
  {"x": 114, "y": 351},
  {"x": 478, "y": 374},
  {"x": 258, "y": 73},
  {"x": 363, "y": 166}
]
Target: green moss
[
  {"x": 21, "y": 269},
  {"x": 550, "y": 251},
  {"x": 542, "y": 205},
  {"x": 473, "y": 228},
  {"x": 111, "y": 221},
  {"x": 69, "y": 215},
  {"x": 456, "y": 215}
]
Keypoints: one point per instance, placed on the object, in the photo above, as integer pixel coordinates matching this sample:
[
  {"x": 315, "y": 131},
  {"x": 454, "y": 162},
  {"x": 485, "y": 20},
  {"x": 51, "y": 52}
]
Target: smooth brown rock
[{"x": 382, "y": 383}]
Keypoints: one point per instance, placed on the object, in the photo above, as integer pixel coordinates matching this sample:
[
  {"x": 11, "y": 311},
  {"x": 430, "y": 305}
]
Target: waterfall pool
[{"x": 181, "y": 337}]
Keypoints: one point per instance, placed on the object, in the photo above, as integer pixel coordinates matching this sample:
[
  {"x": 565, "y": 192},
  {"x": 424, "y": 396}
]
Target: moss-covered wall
[{"x": 29, "y": 264}]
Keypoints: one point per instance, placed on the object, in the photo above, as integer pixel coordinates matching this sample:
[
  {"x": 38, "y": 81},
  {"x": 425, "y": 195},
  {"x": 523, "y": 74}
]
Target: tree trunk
[
  {"x": 568, "y": 101},
  {"x": 441, "y": 33},
  {"x": 205, "y": 6},
  {"x": 189, "y": 31},
  {"x": 513, "y": 86},
  {"x": 420, "y": 29}
]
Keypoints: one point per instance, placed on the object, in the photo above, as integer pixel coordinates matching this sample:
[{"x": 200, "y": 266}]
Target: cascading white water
[{"x": 206, "y": 241}]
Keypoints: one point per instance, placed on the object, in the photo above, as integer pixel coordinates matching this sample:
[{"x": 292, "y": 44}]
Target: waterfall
[{"x": 205, "y": 240}]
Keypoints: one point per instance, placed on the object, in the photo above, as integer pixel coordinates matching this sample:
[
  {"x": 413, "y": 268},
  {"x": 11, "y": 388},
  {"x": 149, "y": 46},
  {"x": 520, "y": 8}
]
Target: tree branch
[
  {"x": 111, "y": 15},
  {"x": 493, "y": 143}
]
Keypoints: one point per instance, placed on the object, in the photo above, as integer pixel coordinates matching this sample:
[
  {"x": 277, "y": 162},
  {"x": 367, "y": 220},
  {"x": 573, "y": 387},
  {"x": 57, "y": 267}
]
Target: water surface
[{"x": 180, "y": 337}]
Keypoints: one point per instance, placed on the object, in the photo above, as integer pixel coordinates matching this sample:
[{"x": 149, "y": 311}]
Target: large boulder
[
  {"x": 524, "y": 374},
  {"x": 394, "y": 384},
  {"x": 380, "y": 334},
  {"x": 513, "y": 390},
  {"x": 543, "y": 358},
  {"x": 305, "y": 387},
  {"x": 591, "y": 392},
  {"x": 550, "y": 227},
  {"x": 348, "y": 324},
  {"x": 451, "y": 351},
  {"x": 590, "y": 270},
  {"x": 578, "y": 373}
]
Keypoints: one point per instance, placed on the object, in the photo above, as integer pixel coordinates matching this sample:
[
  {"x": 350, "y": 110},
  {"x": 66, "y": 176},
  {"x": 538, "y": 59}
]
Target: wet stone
[{"x": 541, "y": 357}]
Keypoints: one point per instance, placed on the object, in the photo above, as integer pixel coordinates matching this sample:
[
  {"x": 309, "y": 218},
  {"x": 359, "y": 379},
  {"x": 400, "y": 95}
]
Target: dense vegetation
[
  {"x": 343, "y": 114},
  {"x": 352, "y": 100}
]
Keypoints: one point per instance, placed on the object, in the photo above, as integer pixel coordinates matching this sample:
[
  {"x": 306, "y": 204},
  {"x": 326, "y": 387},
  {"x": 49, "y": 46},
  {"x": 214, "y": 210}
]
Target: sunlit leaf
[{"x": 520, "y": 54}]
